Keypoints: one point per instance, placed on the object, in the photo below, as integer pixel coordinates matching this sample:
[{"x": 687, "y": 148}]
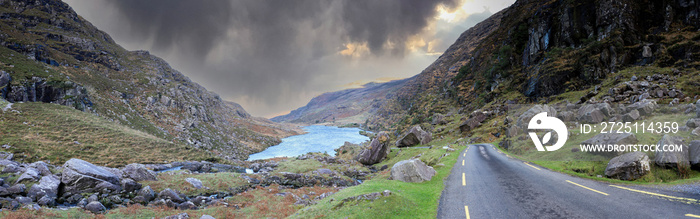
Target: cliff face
[
  {"x": 50, "y": 54},
  {"x": 535, "y": 50}
]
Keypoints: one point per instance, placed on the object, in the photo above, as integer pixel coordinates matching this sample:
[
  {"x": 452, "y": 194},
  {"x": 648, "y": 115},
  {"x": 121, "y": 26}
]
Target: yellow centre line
[
  {"x": 462, "y": 162},
  {"x": 464, "y": 180},
  {"x": 466, "y": 210},
  {"x": 587, "y": 188},
  {"x": 532, "y": 166},
  {"x": 687, "y": 215},
  {"x": 660, "y": 195}
]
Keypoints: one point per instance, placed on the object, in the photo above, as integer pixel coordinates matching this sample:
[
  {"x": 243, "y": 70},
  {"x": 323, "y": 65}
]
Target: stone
[
  {"x": 79, "y": 176},
  {"x": 646, "y": 52},
  {"x": 672, "y": 159},
  {"x": 23, "y": 200},
  {"x": 95, "y": 207},
  {"x": 697, "y": 109},
  {"x": 378, "y": 150},
  {"x": 6, "y": 155},
  {"x": 386, "y": 193},
  {"x": 629, "y": 166},
  {"x": 415, "y": 136},
  {"x": 196, "y": 183},
  {"x": 42, "y": 167},
  {"x": 438, "y": 119},
  {"x": 474, "y": 121},
  {"x": 147, "y": 193},
  {"x": 696, "y": 131},
  {"x": 29, "y": 175},
  {"x": 47, "y": 201},
  {"x": 47, "y": 187},
  {"x": 694, "y": 154},
  {"x": 412, "y": 170},
  {"x": 594, "y": 113},
  {"x": 17, "y": 189},
  {"x": 140, "y": 199},
  {"x": 631, "y": 116},
  {"x": 139, "y": 172},
  {"x": 178, "y": 216},
  {"x": 693, "y": 123},
  {"x": 645, "y": 106},
  {"x": 188, "y": 205},
  {"x": 129, "y": 185},
  {"x": 169, "y": 194},
  {"x": 324, "y": 171},
  {"x": 206, "y": 216},
  {"x": 611, "y": 139}
]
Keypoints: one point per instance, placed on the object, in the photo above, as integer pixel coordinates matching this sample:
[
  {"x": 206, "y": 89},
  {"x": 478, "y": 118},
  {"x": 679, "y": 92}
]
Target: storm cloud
[{"x": 273, "y": 56}]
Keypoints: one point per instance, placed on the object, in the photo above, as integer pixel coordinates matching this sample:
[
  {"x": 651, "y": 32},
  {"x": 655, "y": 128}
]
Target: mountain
[
  {"x": 345, "y": 106},
  {"x": 50, "y": 54},
  {"x": 543, "y": 51}
]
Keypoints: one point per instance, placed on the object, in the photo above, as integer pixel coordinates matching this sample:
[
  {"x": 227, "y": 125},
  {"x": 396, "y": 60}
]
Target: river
[{"x": 317, "y": 139}]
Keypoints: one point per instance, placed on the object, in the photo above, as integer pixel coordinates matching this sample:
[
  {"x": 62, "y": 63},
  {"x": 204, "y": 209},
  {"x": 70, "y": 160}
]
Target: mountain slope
[{"x": 50, "y": 54}]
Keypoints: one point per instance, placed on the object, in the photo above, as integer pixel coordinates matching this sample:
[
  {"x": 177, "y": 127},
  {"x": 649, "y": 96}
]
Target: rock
[
  {"x": 147, "y": 193},
  {"x": 646, "y": 51},
  {"x": 42, "y": 167},
  {"x": 324, "y": 171},
  {"x": 438, "y": 119},
  {"x": 95, "y": 207},
  {"x": 693, "y": 123},
  {"x": 412, "y": 170},
  {"x": 5, "y": 79},
  {"x": 47, "y": 201},
  {"x": 645, "y": 107},
  {"x": 414, "y": 136},
  {"x": 473, "y": 122},
  {"x": 611, "y": 139},
  {"x": 16, "y": 189},
  {"x": 195, "y": 182},
  {"x": 178, "y": 216},
  {"x": 6, "y": 155},
  {"x": 138, "y": 172},
  {"x": 47, "y": 187},
  {"x": 696, "y": 131},
  {"x": 79, "y": 176},
  {"x": 206, "y": 217},
  {"x": 594, "y": 113},
  {"x": 631, "y": 116},
  {"x": 23, "y": 200},
  {"x": 629, "y": 166},
  {"x": 169, "y": 194},
  {"x": 140, "y": 199},
  {"x": 115, "y": 171},
  {"x": 671, "y": 159},
  {"x": 378, "y": 150},
  {"x": 697, "y": 109},
  {"x": 129, "y": 185},
  {"x": 386, "y": 193},
  {"x": 30, "y": 175},
  {"x": 188, "y": 205},
  {"x": 694, "y": 154}
]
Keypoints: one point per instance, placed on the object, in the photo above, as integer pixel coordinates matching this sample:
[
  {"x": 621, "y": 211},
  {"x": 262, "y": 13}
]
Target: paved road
[{"x": 490, "y": 184}]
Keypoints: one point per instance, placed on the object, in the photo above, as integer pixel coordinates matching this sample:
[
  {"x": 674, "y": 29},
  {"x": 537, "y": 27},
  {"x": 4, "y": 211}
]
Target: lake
[{"x": 317, "y": 139}]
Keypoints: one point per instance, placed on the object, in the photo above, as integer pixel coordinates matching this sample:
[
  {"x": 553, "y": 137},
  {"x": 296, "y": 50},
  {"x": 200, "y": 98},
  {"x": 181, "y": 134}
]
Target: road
[{"x": 486, "y": 183}]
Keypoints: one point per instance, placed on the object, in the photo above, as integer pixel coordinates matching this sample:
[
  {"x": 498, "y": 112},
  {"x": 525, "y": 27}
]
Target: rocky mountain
[
  {"x": 345, "y": 106},
  {"x": 50, "y": 54},
  {"x": 542, "y": 51}
]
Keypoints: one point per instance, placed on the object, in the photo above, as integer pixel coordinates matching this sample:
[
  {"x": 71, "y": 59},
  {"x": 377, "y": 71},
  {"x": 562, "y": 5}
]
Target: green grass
[
  {"x": 213, "y": 181},
  {"x": 408, "y": 200},
  {"x": 44, "y": 131}
]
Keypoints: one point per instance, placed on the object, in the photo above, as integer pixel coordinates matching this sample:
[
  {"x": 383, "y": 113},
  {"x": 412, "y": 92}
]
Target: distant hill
[{"x": 50, "y": 54}]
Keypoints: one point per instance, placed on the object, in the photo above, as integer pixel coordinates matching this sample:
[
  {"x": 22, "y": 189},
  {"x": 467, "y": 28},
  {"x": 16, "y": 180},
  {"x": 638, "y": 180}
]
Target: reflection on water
[{"x": 317, "y": 139}]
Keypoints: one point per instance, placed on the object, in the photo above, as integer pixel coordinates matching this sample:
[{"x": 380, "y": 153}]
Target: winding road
[{"x": 485, "y": 183}]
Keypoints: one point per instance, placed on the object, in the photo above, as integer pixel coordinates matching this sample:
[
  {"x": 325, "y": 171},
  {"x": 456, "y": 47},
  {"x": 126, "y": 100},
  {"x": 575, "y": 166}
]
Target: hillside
[{"x": 50, "y": 54}]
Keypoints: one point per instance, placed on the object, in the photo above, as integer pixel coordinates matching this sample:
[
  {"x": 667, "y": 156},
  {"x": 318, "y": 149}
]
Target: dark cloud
[{"x": 272, "y": 56}]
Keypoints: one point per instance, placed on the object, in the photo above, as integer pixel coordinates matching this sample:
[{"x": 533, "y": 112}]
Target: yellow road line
[
  {"x": 508, "y": 156},
  {"x": 462, "y": 162},
  {"x": 587, "y": 188},
  {"x": 465, "y": 154},
  {"x": 466, "y": 210},
  {"x": 532, "y": 166},
  {"x": 464, "y": 180},
  {"x": 657, "y": 194},
  {"x": 687, "y": 215}
]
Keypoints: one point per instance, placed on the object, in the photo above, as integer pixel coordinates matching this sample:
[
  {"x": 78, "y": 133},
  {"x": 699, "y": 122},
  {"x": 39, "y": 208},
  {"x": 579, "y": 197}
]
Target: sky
[{"x": 274, "y": 56}]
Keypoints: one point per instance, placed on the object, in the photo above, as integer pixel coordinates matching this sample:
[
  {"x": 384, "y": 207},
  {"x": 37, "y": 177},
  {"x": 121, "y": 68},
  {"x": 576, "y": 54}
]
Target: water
[{"x": 317, "y": 139}]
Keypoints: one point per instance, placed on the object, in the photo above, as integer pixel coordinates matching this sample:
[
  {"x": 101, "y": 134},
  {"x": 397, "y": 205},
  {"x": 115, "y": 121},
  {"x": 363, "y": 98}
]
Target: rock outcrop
[
  {"x": 378, "y": 150},
  {"x": 413, "y": 171},
  {"x": 414, "y": 136},
  {"x": 79, "y": 176},
  {"x": 629, "y": 166}
]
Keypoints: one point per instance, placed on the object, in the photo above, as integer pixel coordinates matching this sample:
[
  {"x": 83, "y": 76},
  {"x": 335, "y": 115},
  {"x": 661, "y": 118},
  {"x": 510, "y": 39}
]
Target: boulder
[
  {"x": 672, "y": 159},
  {"x": 611, "y": 139},
  {"x": 631, "y": 116},
  {"x": 693, "y": 123},
  {"x": 171, "y": 195},
  {"x": 79, "y": 176},
  {"x": 129, "y": 185},
  {"x": 138, "y": 172},
  {"x": 188, "y": 205},
  {"x": 629, "y": 166},
  {"x": 178, "y": 216},
  {"x": 206, "y": 216},
  {"x": 414, "y": 136},
  {"x": 29, "y": 175},
  {"x": 473, "y": 122},
  {"x": 412, "y": 170},
  {"x": 594, "y": 113},
  {"x": 95, "y": 207},
  {"x": 41, "y": 167},
  {"x": 696, "y": 131},
  {"x": 196, "y": 183},
  {"x": 697, "y": 109},
  {"x": 694, "y": 154},
  {"x": 378, "y": 150},
  {"x": 438, "y": 119},
  {"x": 645, "y": 107},
  {"x": 147, "y": 193},
  {"x": 47, "y": 187}
]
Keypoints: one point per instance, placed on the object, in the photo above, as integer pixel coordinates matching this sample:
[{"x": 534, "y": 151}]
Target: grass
[
  {"x": 405, "y": 196},
  {"x": 213, "y": 182},
  {"x": 57, "y": 133}
]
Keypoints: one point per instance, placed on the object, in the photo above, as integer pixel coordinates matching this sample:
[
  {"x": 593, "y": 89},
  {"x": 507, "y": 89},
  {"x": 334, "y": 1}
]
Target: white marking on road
[
  {"x": 464, "y": 180},
  {"x": 532, "y": 166},
  {"x": 587, "y": 187},
  {"x": 689, "y": 200},
  {"x": 466, "y": 210}
]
